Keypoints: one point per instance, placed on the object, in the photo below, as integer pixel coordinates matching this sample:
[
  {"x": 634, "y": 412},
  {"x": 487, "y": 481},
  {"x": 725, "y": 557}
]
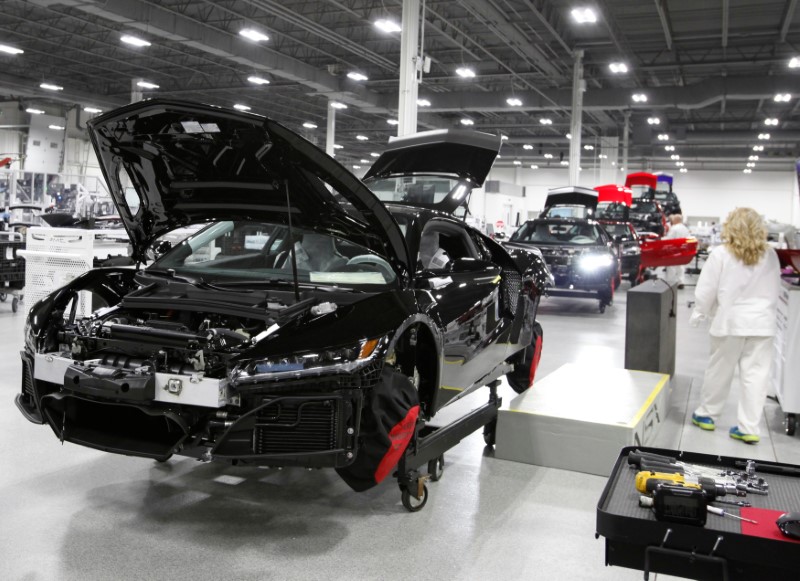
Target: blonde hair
[{"x": 745, "y": 235}]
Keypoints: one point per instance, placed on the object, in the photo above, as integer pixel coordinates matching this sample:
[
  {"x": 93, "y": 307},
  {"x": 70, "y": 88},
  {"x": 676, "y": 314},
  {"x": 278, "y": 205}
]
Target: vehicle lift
[{"x": 428, "y": 445}]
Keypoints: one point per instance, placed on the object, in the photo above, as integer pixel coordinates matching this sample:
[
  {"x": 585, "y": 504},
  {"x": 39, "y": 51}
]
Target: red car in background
[{"x": 646, "y": 213}]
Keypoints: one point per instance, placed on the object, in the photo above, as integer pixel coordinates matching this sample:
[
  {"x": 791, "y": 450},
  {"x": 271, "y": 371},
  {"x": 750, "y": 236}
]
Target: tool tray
[{"x": 635, "y": 539}]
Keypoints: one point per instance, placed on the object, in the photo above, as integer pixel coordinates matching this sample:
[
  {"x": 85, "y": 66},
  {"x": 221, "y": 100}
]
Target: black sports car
[
  {"x": 647, "y": 216},
  {"x": 307, "y": 325}
]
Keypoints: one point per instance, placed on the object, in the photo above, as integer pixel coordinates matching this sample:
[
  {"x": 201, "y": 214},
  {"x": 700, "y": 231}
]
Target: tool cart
[
  {"x": 12, "y": 268},
  {"x": 724, "y": 547}
]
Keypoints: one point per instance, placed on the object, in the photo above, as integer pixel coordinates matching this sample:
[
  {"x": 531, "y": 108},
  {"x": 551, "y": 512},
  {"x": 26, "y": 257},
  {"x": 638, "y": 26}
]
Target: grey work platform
[{"x": 579, "y": 417}]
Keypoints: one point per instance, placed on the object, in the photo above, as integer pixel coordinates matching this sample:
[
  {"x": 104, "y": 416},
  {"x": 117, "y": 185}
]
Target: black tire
[
  {"x": 436, "y": 468},
  {"x": 520, "y": 378},
  {"x": 791, "y": 424},
  {"x": 14, "y": 304},
  {"x": 412, "y": 504},
  {"x": 489, "y": 433},
  {"x": 602, "y": 307}
]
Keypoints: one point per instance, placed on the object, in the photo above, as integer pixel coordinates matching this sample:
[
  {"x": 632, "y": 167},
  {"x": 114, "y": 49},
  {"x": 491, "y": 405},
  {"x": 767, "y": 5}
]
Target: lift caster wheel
[
  {"x": 414, "y": 504},
  {"x": 14, "y": 304},
  {"x": 791, "y": 424},
  {"x": 436, "y": 468},
  {"x": 489, "y": 431}
]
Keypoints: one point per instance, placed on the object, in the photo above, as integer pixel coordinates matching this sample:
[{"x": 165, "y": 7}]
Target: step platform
[{"x": 579, "y": 417}]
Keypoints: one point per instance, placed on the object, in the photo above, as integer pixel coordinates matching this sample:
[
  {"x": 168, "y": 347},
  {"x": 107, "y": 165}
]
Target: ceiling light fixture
[
  {"x": 514, "y": 102},
  {"x": 534, "y": 166},
  {"x": 568, "y": 136},
  {"x": 674, "y": 156},
  {"x": 527, "y": 146},
  {"x": 56, "y": 127},
  {"x": 763, "y": 136},
  {"x": 423, "y": 103},
  {"x": 338, "y": 105},
  {"x": 751, "y": 164},
  {"x": 50, "y": 87},
  {"x": 365, "y": 161},
  {"x": 753, "y": 158},
  {"x": 663, "y": 137},
  {"x": 564, "y": 162},
  {"x": 602, "y": 156},
  {"x": 782, "y": 98},
  {"x": 653, "y": 121},
  {"x": 375, "y": 154},
  {"x": 584, "y": 15},
  {"x": 684, "y": 170},
  {"x": 465, "y": 72},
  {"x": 10, "y": 49},
  {"x": 356, "y": 167},
  {"x": 387, "y": 25},
  {"x": 771, "y": 121},
  {"x": 392, "y": 121},
  {"x": 669, "y": 147},
  {"x": 240, "y": 107},
  {"x": 258, "y": 80},
  {"x": 33, "y": 111},
  {"x": 747, "y": 170},
  {"x": 146, "y": 85},
  {"x": 618, "y": 68},
  {"x": 517, "y": 162},
  {"x": 362, "y": 137},
  {"x": 337, "y": 146},
  {"x": 758, "y": 148},
  {"x": 253, "y": 35},
  {"x": 466, "y": 121},
  {"x": 588, "y": 147},
  {"x": 357, "y": 76},
  {"x": 548, "y": 156},
  {"x": 546, "y": 121},
  {"x": 92, "y": 110},
  {"x": 309, "y": 125},
  {"x": 679, "y": 163},
  {"x": 639, "y": 98},
  {"x": 794, "y": 63},
  {"x": 504, "y": 138},
  {"x": 134, "y": 40}
]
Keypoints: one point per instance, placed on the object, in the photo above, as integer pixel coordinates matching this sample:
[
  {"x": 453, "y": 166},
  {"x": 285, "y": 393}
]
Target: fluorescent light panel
[
  {"x": 357, "y": 76},
  {"x": 241, "y": 107},
  {"x": 253, "y": 35},
  {"x": 338, "y": 105},
  {"x": 134, "y": 40},
  {"x": 309, "y": 125},
  {"x": 584, "y": 15},
  {"x": 146, "y": 85},
  {"x": 50, "y": 87},
  {"x": 10, "y": 49},
  {"x": 258, "y": 80},
  {"x": 465, "y": 72},
  {"x": 33, "y": 111},
  {"x": 387, "y": 25}
]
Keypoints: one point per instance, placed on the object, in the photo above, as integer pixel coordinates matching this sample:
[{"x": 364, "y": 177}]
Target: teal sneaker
[
  {"x": 746, "y": 438},
  {"x": 703, "y": 422}
]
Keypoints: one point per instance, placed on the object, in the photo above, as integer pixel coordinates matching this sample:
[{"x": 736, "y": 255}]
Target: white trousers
[
  {"x": 674, "y": 274},
  {"x": 753, "y": 356}
]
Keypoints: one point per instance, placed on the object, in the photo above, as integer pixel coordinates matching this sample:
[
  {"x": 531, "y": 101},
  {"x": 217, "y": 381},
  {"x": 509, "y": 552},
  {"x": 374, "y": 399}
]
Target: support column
[
  {"x": 136, "y": 91},
  {"x": 578, "y": 87},
  {"x": 330, "y": 133},
  {"x": 626, "y": 130},
  {"x": 409, "y": 57}
]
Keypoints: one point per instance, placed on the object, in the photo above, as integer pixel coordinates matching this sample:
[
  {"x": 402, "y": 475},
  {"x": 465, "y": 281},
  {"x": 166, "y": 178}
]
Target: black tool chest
[{"x": 718, "y": 551}]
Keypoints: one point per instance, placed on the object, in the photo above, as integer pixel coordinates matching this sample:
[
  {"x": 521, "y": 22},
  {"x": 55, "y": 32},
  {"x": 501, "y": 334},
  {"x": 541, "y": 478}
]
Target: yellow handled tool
[{"x": 646, "y": 481}]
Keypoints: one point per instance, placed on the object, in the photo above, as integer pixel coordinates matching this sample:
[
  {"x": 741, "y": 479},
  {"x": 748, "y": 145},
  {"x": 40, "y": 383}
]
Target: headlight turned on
[
  {"x": 321, "y": 362},
  {"x": 592, "y": 262}
]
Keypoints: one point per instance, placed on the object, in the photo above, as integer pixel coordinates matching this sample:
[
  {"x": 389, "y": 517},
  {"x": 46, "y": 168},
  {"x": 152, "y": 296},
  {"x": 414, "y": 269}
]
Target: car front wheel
[{"x": 524, "y": 372}]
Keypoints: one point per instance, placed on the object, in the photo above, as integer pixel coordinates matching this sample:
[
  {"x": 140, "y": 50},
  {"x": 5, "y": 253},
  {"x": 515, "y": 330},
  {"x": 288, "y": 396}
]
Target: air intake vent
[
  {"x": 27, "y": 379},
  {"x": 512, "y": 282},
  {"x": 301, "y": 427}
]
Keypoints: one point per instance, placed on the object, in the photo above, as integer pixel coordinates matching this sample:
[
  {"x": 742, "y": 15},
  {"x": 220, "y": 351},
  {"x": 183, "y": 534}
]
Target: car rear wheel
[{"x": 524, "y": 372}]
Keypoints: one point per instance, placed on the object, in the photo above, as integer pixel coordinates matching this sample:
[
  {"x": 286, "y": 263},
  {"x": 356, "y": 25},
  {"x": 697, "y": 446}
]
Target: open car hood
[
  {"x": 641, "y": 178},
  {"x": 572, "y": 196},
  {"x": 466, "y": 155},
  {"x": 186, "y": 163},
  {"x": 665, "y": 178},
  {"x": 615, "y": 194}
]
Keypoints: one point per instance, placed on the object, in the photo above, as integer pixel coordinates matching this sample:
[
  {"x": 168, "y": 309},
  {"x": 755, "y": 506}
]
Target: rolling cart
[
  {"x": 12, "y": 268},
  {"x": 724, "y": 548}
]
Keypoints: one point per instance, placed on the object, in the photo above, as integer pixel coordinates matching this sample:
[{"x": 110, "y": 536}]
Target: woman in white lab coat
[{"x": 738, "y": 292}]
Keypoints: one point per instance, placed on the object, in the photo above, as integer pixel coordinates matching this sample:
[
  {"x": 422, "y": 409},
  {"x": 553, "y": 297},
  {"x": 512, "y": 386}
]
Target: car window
[
  {"x": 258, "y": 251},
  {"x": 558, "y": 232},
  {"x": 442, "y": 243},
  {"x": 644, "y": 207}
]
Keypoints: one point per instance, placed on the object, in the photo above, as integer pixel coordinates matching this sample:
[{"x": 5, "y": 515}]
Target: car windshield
[
  {"x": 618, "y": 230},
  {"x": 644, "y": 207},
  {"x": 237, "y": 252},
  {"x": 611, "y": 211},
  {"x": 418, "y": 189},
  {"x": 545, "y": 232},
  {"x": 568, "y": 211}
]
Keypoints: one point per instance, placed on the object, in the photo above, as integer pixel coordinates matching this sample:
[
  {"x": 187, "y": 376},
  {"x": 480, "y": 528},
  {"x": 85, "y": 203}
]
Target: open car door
[{"x": 670, "y": 252}]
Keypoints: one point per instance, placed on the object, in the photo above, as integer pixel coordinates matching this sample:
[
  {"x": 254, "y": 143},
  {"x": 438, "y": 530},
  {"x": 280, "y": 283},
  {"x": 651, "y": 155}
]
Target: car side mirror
[{"x": 162, "y": 248}]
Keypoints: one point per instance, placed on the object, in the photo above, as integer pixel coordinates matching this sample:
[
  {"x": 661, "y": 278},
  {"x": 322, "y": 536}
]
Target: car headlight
[
  {"x": 592, "y": 262},
  {"x": 309, "y": 363},
  {"x": 631, "y": 251}
]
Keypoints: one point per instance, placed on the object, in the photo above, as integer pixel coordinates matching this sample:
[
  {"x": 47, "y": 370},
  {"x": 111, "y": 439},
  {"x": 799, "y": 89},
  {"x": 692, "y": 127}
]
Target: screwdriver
[{"x": 720, "y": 512}]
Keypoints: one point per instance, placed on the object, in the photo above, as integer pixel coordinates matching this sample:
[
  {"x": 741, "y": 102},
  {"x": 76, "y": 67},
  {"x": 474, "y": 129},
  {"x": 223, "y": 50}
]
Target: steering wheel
[{"x": 376, "y": 261}]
